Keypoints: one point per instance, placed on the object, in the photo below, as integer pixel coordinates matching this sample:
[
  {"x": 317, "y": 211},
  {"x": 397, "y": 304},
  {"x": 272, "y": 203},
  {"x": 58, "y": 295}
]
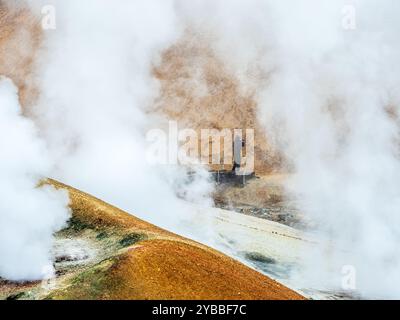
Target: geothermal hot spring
[{"x": 315, "y": 81}]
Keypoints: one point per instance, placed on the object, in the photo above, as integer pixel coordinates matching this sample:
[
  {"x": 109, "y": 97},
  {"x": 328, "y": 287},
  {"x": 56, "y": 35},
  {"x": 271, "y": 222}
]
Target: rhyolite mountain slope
[{"x": 105, "y": 253}]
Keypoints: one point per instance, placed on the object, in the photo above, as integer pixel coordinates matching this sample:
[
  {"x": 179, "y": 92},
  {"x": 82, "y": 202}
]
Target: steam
[
  {"x": 329, "y": 99},
  {"x": 331, "y": 95},
  {"x": 95, "y": 82},
  {"x": 29, "y": 214},
  {"x": 96, "y": 89}
]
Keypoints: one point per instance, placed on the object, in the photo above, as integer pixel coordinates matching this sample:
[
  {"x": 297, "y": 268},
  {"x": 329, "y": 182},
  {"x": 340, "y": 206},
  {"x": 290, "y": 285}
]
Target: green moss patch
[
  {"x": 258, "y": 257},
  {"x": 102, "y": 235},
  {"x": 131, "y": 239},
  {"x": 77, "y": 225}
]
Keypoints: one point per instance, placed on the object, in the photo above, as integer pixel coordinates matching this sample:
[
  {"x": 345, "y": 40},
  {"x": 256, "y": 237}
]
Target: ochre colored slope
[
  {"x": 160, "y": 265},
  {"x": 199, "y": 91},
  {"x": 20, "y": 40}
]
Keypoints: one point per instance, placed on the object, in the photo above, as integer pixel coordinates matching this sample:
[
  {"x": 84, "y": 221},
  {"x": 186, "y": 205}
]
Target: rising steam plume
[
  {"x": 323, "y": 98},
  {"x": 29, "y": 214},
  {"x": 328, "y": 98}
]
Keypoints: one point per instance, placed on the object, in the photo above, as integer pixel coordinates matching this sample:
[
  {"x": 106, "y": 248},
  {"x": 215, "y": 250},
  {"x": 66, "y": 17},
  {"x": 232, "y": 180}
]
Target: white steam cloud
[
  {"x": 95, "y": 79},
  {"x": 329, "y": 99},
  {"x": 331, "y": 94},
  {"x": 29, "y": 214},
  {"x": 97, "y": 84}
]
